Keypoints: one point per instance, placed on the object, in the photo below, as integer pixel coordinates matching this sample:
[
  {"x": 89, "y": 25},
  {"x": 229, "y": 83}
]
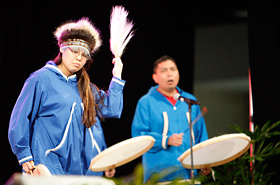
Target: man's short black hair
[{"x": 162, "y": 59}]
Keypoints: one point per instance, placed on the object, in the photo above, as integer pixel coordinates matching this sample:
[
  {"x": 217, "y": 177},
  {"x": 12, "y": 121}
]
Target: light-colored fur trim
[
  {"x": 82, "y": 24},
  {"x": 165, "y": 129}
]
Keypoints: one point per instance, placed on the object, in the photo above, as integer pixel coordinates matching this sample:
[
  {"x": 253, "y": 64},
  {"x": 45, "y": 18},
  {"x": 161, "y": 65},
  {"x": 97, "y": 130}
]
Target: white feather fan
[{"x": 121, "y": 30}]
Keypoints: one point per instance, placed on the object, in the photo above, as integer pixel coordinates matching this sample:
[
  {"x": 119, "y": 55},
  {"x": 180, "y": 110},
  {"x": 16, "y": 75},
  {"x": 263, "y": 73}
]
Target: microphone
[{"x": 177, "y": 96}]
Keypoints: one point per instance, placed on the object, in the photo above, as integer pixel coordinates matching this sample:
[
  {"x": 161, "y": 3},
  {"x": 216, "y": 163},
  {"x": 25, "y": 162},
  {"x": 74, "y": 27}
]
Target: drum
[
  {"x": 216, "y": 151},
  {"x": 122, "y": 153},
  {"x": 20, "y": 179}
]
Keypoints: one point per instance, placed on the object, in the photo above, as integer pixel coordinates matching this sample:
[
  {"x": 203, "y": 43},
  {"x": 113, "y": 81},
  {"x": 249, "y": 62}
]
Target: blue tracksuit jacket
[
  {"x": 46, "y": 122},
  {"x": 157, "y": 117}
]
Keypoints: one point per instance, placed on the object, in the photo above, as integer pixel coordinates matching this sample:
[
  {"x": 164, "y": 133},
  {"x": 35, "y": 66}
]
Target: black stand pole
[
  {"x": 191, "y": 141},
  {"x": 190, "y": 104}
]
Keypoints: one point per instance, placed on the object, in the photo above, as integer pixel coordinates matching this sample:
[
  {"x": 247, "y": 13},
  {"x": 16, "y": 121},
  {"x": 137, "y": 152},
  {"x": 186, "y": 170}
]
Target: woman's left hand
[
  {"x": 110, "y": 173},
  {"x": 118, "y": 66}
]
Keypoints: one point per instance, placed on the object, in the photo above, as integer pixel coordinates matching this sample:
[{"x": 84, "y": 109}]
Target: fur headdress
[{"x": 79, "y": 33}]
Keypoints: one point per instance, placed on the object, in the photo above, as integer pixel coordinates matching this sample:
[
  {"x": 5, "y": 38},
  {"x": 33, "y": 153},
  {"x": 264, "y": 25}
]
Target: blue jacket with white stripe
[
  {"x": 46, "y": 122},
  {"x": 157, "y": 117}
]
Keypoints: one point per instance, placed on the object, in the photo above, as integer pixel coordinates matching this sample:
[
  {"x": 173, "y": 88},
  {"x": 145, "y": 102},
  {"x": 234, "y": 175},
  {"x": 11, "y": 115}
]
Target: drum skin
[
  {"x": 122, "y": 153},
  {"x": 216, "y": 151}
]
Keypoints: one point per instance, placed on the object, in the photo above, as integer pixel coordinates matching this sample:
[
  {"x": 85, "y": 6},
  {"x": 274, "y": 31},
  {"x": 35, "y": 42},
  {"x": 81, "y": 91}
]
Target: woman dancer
[{"x": 56, "y": 119}]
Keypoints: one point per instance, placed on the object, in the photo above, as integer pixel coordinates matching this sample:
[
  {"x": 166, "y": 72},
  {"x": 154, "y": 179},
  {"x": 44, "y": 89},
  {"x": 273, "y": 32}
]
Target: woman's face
[{"x": 72, "y": 60}]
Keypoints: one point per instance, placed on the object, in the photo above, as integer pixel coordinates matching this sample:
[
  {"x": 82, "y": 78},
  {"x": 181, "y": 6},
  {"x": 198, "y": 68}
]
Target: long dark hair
[{"x": 91, "y": 106}]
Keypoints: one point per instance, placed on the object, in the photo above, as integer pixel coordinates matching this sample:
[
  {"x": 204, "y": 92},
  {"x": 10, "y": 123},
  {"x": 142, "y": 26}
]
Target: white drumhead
[
  {"x": 216, "y": 151},
  {"x": 122, "y": 153}
]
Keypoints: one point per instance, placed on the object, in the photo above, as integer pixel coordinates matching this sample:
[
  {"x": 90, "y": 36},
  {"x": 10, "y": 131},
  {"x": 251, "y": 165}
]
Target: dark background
[{"x": 162, "y": 27}]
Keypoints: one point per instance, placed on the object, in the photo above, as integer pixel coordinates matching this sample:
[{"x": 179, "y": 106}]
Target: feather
[{"x": 120, "y": 30}]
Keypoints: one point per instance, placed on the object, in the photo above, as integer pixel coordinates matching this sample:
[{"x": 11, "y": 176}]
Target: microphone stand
[
  {"x": 191, "y": 140},
  {"x": 190, "y": 104}
]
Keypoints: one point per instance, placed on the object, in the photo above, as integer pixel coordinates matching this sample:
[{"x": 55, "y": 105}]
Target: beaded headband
[{"x": 76, "y": 42}]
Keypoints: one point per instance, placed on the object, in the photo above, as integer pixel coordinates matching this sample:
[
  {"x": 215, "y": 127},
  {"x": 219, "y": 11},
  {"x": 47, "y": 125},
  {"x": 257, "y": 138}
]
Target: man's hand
[
  {"x": 205, "y": 171},
  {"x": 110, "y": 173},
  {"x": 175, "y": 139}
]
